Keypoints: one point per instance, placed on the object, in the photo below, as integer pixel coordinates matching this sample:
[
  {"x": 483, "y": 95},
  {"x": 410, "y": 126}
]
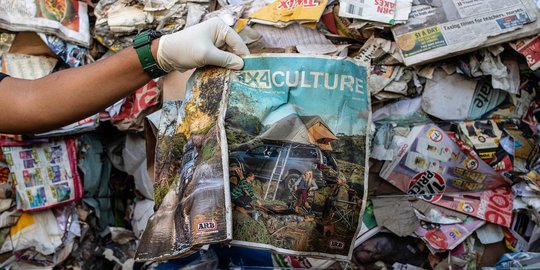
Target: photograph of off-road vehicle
[
  {"x": 295, "y": 183},
  {"x": 296, "y": 138}
]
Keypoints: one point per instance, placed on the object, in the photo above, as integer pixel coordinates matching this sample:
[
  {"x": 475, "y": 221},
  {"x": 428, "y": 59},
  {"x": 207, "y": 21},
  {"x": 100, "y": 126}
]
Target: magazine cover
[
  {"x": 296, "y": 130},
  {"x": 195, "y": 210}
]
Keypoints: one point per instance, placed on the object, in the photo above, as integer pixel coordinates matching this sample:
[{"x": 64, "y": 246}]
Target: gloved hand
[{"x": 199, "y": 45}]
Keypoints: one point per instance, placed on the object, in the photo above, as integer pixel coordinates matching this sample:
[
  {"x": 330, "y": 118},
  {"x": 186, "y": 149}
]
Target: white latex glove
[{"x": 199, "y": 45}]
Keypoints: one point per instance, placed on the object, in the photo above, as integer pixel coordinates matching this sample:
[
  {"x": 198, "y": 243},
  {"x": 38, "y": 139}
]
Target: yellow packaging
[{"x": 291, "y": 10}]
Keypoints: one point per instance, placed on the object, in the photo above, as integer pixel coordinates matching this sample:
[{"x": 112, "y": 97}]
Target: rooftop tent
[{"x": 301, "y": 129}]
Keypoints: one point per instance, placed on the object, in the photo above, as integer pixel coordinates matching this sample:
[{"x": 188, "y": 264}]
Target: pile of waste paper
[{"x": 360, "y": 134}]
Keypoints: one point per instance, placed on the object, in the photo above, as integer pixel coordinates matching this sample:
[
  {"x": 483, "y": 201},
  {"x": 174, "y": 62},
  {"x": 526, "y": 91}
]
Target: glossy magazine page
[
  {"x": 297, "y": 129},
  {"x": 195, "y": 209}
]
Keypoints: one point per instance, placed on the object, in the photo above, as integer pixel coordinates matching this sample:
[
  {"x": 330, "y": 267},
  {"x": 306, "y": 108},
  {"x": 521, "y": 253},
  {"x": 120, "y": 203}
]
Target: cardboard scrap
[{"x": 396, "y": 214}]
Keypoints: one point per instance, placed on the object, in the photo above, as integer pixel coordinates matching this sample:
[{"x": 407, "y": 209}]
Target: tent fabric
[{"x": 301, "y": 129}]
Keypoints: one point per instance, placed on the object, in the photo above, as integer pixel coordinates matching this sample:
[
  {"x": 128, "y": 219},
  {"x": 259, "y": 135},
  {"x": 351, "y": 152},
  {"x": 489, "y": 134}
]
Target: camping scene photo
[{"x": 296, "y": 166}]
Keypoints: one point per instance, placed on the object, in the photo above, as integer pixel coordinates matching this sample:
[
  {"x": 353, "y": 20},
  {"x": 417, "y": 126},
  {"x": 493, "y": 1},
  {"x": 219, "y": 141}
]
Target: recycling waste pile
[{"x": 360, "y": 134}]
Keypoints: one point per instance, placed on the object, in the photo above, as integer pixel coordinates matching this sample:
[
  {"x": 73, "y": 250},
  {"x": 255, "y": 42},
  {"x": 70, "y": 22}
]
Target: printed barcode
[{"x": 352, "y": 9}]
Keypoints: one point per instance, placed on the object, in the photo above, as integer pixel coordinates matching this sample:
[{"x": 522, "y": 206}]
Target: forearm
[
  {"x": 70, "y": 95},
  {"x": 67, "y": 96}
]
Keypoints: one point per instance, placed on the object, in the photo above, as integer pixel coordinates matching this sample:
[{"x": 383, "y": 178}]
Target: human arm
[
  {"x": 238, "y": 172},
  {"x": 313, "y": 185},
  {"x": 67, "y": 96},
  {"x": 249, "y": 191}
]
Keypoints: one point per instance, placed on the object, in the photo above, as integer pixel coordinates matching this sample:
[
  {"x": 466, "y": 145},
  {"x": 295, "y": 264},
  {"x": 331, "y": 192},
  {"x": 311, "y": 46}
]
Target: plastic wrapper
[{"x": 38, "y": 230}]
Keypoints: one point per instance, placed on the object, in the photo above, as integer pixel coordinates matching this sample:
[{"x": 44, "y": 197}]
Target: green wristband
[{"x": 142, "y": 43}]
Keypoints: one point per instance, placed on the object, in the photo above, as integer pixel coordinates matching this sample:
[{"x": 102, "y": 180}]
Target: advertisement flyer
[{"x": 44, "y": 174}]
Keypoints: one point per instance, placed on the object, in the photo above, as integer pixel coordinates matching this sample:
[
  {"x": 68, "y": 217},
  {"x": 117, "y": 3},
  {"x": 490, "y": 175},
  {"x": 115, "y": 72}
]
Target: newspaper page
[
  {"x": 429, "y": 154},
  {"x": 297, "y": 129},
  {"x": 66, "y": 18},
  {"x": 44, "y": 175},
  {"x": 443, "y": 28},
  {"x": 28, "y": 67},
  {"x": 291, "y": 35},
  {"x": 4, "y": 172},
  {"x": 385, "y": 11},
  {"x": 196, "y": 209},
  {"x": 136, "y": 106},
  {"x": 368, "y": 227}
]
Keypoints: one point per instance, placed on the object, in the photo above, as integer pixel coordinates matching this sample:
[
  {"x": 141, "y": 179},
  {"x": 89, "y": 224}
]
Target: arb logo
[
  {"x": 208, "y": 225},
  {"x": 335, "y": 244}
]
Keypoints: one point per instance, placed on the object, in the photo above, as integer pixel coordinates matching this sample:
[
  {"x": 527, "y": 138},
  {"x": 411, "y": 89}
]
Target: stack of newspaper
[{"x": 384, "y": 11}]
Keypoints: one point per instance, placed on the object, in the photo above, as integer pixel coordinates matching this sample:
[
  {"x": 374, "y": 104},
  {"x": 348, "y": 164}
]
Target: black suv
[{"x": 262, "y": 159}]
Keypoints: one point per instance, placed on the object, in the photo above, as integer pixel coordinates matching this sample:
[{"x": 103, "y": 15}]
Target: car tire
[{"x": 287, "y": 189}]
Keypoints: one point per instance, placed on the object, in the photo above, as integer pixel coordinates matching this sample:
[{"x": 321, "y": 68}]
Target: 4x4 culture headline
[{"x": 312, "y": 79}]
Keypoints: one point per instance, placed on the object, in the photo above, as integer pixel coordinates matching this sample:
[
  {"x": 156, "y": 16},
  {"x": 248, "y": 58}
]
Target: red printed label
[
  {"x": 531, "y": 51},
  {"x": 290, "y": 4},
  {"x": 429, "y": 185},
  {"x": 435, "y": 135}
]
